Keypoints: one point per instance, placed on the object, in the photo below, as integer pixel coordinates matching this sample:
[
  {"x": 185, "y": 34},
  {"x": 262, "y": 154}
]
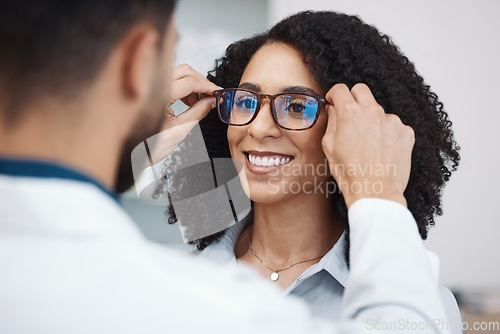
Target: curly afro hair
[{"x": 340, "y": 48}]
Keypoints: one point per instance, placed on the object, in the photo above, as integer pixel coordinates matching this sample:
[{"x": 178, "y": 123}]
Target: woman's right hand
[
  {"x": 188, "y": 85},
  {"x": 369, "y": 151}
]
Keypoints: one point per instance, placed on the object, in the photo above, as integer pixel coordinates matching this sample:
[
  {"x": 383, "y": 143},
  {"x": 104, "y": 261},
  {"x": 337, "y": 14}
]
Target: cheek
[{"x": 234, "y": 137}]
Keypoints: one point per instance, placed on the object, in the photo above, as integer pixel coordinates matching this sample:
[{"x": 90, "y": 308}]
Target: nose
[{"x": 264, "y": 125}]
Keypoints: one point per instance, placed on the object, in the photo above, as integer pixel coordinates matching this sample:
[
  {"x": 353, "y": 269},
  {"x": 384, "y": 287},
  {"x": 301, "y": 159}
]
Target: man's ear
[{"x": 140, "y": 58}]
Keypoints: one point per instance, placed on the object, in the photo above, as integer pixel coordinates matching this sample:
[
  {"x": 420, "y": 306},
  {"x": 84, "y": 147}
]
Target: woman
[{"x": 297, "y": 233}]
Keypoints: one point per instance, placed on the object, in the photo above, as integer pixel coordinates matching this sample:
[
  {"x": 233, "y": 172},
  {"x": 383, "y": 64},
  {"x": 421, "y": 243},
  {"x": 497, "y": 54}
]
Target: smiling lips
[{"x": 268, "y": 159}]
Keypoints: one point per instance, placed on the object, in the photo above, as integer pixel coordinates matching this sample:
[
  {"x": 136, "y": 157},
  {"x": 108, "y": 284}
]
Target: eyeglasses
[{"x": 291, "y": 111}]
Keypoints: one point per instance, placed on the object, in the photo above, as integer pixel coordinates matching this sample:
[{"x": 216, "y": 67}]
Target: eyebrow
[
  {"x": 250, "y": 86},
  {"x": 300, "y": 89},
  {"x": 290, "y": 89}
]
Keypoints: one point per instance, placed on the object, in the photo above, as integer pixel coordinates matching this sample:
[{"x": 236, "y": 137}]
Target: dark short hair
[
  {"x": 57, "y": 47},
  {"x": 340, "y": 48}
]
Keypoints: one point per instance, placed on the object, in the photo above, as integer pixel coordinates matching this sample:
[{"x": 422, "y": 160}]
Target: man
[{"x": 81, "y": 84}]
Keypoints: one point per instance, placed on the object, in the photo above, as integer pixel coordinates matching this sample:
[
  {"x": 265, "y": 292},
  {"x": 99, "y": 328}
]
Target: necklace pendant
[{"x": 274, "y": 276}]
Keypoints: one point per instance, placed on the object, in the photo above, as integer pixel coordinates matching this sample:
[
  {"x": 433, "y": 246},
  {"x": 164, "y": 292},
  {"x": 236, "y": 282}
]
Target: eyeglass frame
[{"x": 321, "y": 101}]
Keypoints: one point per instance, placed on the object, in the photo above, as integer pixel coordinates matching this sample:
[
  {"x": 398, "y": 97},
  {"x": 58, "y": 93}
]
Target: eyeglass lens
[{"x": 292, "y": 111}]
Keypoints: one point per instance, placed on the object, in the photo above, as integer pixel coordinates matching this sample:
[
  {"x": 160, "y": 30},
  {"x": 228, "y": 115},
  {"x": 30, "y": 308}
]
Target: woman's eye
[
  {"x": 248, "y": 103},
  {"x": 296, "y": 108}
]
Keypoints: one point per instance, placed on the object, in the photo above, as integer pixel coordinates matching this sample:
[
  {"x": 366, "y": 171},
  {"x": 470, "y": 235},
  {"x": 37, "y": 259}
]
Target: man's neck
[{"x": 77, "y": 144}]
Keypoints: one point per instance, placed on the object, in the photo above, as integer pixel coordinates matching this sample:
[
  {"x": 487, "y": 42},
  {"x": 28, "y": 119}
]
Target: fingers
[
  {"x": 328, "y": 141},
  {"x": 396, "y": 130},
  {"x": 183, "y": 70},
  {"x": 188, "y": 83},
  {"x": 196, "y": 113},
  {"x": 363, "y": 94},
  {"x": 176, "y": 128},
  {"x": 340, "y": 96},
  {"x": 188, "y": 88}
]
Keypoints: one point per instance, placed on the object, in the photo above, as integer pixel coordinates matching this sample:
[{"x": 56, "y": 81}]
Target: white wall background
[
  {"x": 206, "y": 28},
  {"x": 455, "y": 45}
]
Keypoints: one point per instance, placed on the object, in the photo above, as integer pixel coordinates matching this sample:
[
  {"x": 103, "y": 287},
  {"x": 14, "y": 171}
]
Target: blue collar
[{"x": 48, "y": 169}]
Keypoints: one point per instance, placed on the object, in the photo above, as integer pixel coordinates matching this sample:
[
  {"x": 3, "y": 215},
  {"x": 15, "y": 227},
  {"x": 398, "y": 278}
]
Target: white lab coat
[{"x": 72, "y": 261}]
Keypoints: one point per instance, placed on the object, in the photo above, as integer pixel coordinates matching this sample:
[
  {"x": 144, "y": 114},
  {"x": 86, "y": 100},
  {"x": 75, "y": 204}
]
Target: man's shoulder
[{"x": 116, "y": 286}]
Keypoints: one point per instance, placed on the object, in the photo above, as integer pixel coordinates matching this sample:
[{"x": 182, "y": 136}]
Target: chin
[{"x": 266, "y": 192}]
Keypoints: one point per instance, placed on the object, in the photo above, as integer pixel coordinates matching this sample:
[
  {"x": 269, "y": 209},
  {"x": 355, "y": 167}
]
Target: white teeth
[{"x": 267, "y": 161}]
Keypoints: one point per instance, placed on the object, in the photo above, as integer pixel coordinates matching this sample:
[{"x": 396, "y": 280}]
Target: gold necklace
[{"x": 275, "y": 276}]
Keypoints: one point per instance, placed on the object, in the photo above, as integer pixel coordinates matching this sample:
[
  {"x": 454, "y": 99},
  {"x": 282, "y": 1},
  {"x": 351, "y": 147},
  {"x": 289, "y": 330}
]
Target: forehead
[{"x": 276, "y": 66}]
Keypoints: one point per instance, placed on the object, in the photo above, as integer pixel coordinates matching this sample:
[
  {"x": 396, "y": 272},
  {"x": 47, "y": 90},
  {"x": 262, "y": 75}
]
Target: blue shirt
[{"x": 322, "y": 284}]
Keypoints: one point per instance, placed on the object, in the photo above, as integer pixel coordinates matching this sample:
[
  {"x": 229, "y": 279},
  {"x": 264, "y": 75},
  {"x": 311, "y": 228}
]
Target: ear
[{"x": 140, "y": 58}]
